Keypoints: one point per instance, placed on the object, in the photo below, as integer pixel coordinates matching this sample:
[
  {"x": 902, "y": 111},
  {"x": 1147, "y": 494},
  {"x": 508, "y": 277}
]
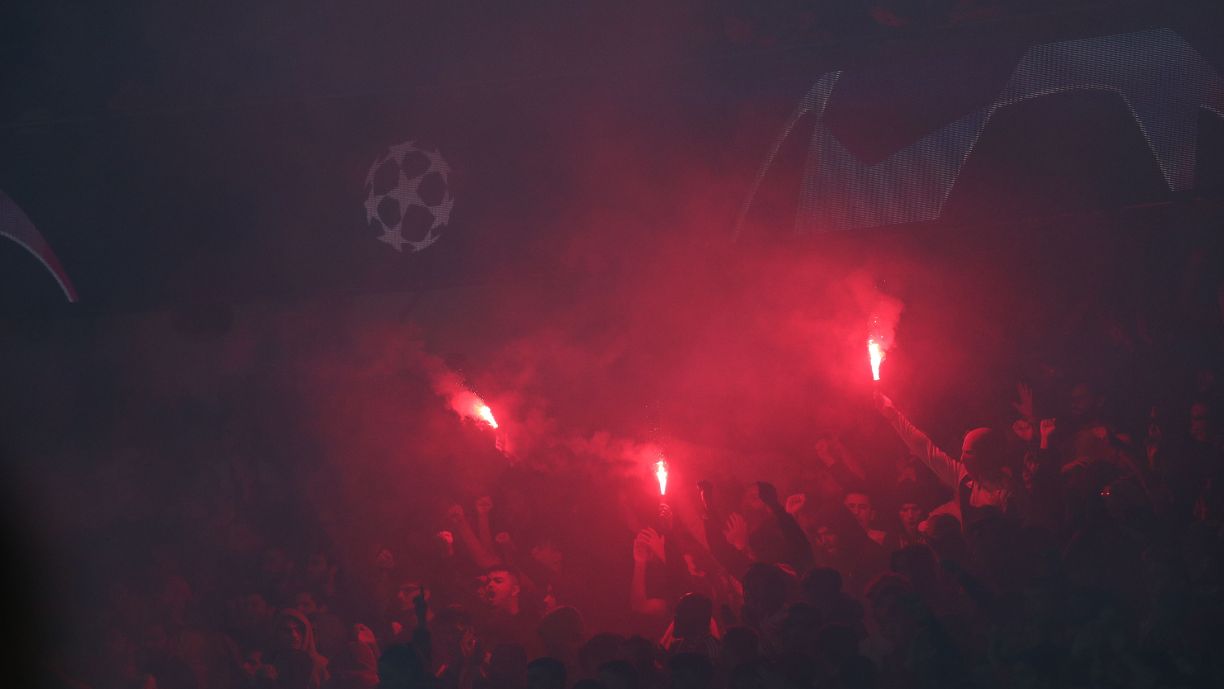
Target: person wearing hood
[{"x": 294, "y": 661}]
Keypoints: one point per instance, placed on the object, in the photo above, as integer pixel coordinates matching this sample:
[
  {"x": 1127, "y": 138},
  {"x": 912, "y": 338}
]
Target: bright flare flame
[
  {"x": 877, "y": 355},
  {"x": 661, "y": 474},
  {"x": 485, "y": 414}
]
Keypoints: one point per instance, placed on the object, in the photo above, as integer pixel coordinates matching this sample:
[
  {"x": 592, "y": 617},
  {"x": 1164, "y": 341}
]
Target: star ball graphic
[{"x": 408, "y": 197}]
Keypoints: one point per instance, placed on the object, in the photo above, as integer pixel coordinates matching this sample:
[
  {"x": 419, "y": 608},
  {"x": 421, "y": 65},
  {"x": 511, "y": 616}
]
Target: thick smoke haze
[{"x": 625, "y": 325}]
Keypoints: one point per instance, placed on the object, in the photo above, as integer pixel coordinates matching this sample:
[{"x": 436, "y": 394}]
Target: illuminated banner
[{"x": 1162, "y": 80}]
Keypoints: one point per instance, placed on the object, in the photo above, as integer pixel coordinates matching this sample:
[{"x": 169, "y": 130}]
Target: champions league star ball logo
[{"x": 408, "y": 196}]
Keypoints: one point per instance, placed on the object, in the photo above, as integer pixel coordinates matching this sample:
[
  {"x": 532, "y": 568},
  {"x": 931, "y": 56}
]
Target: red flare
[
  {"x": 485, "y": 414},
  {"x": 661, "y": 474},
  {"x": 876, "y": 352}
]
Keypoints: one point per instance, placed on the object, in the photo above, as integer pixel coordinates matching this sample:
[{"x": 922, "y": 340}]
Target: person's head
[
  {"x": 982, "y": 453},
  {"x": 400, "y": 667},
  {"x": 562, "y": 630},
  {"x": 251, "y": 661},
  {"x": 740, "y": 645},
  {"x": 384, "y": 559},
  {"x": 317, "y": 566},
  {"x": 253, "y": 609},
  {"x": 507, "y": 667},
  {"x": 1085, "y": 401},
  {"x": 858, "y": 502},
  {"x": 822, "y": 585},
  {"x": 450, "y": 626},
  {"x": 501, "y": 589},
  {"x": 916, "y": 563},
  {"x": 618, "y": 674},
  {"x": 642, "y": 653},
  {"x": 406, "y": 595},
  {"x": 547, "y": 554},
  {"x": 766, "y": 590},
  {"x": 690, "y": 671},
  {"x": 944, "y": 535},
  {"x": 752, "y": 502},
  {"x": 884, "y": 594},
  {"x": 797, "y": 631},
  {"x": 599, "y": 649},
  {"x": 305, "y": 603},
  {"x": 911, "y": 515},
  {"x": 292, "y": 631},
  {"x": 828, "y": 538},
  {"x": 693, "y": 614},
  {"x": 837, "y": 643},
  {"x": 546, "y": 673}
]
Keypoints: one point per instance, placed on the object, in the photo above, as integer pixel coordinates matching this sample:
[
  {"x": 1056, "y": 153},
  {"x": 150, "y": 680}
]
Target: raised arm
[
  {"x": 798, "y": 548},
  {"x": 727, "y": 540},
  {"x": 464, "y": 533},
  {"x": 647, "y": 544},
  {"x": 941, "y": 463},
  {"x": 421, "y": 638}
]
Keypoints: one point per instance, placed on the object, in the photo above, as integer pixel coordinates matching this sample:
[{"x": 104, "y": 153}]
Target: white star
[
  {"x": 394, "y": 238},
  {"x": 425, "y": 242},
  {"x": 443, "y": 211}
]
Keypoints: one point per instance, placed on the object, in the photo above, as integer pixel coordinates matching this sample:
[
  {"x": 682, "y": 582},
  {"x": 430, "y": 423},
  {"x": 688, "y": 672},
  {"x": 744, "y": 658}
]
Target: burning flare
[
  {"x": 876, "y": 352},
  {"x": 468, "y": 405},
  {"x": 661, "y": 474},
  {"x": 485, "y": 414}
]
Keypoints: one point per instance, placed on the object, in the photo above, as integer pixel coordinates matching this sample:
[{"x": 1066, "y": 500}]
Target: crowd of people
[{"x": 1062, "y": 550}]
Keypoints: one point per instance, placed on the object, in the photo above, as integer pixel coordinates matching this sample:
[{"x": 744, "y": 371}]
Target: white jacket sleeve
[{"x": 948, "y": 470}]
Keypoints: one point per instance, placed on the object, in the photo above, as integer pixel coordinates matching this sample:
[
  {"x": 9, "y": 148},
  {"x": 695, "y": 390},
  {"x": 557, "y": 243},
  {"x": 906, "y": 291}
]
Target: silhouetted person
[{"x": 546, "y": 673}]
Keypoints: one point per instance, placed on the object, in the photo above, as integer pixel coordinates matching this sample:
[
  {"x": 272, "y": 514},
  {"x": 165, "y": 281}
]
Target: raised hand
[
  {"x": 794, "y": 503},
  {"x": 455, "y": 513},
  {"x": 665, "y": 512},
  {"x": 648, "y": 543},
  {"x": 736, "y": 531},
  {"x": 1024, "y": 407},
  {"x": 655, "y": 540},
  {"x": 1047, "y": 428},
  {"x": 420, "y": 604},
  {"x": 882, "y": 403},
  {"x": 641, "y": 550},
  {"x": 366, "y": 636},
  {"x": 484, "y": 505}
]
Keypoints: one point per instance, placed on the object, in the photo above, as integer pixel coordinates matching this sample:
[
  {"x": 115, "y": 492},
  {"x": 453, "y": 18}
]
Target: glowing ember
[
  {"x": 876, "y": 352},
  {"x": 661, "y": 474},
  {"x": 485, "y": 414}
]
